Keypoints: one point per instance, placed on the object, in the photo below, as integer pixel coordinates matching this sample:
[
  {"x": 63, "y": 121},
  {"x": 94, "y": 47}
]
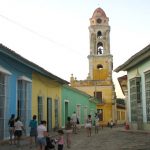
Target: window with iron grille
[
  {"x": 3, "y": 102},
  {"x": 40, "y": 108},
  {"x": 98, "y": 95},
  {"x": 56, "y": 113},
  {"x": 23, "y": 99},
  {"x": 147, "y": 93},
  {"x": 78, "y": 108},
  {"x": 133, "y": 100},
  {"x": 118, "y": 115}
]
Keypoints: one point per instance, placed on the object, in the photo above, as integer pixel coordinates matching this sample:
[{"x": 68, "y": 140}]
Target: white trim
[
  {"x": 24, "y": 78},
  {"x": 66, "y": 100},
  {"x": 3, "y": 70}
]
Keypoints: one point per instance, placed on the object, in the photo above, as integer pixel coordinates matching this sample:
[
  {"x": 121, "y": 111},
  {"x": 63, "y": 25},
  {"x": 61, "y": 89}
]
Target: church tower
[
  {"x": 100, "y": 59},
  {"x": 99, "y": 82}
]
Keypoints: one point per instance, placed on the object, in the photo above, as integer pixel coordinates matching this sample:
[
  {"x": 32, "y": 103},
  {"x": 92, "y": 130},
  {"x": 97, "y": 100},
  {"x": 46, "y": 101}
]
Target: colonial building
[
  {"x": 78, "y": 101},
  {"x": 27, "y": 89},
  {"x": 138, "y": 83},
  {"x": 99, "y": 81},
  {"x": 122, "y": 110}
]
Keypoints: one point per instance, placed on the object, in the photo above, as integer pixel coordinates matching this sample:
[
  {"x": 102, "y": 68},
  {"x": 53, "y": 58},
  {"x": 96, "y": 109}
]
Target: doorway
[{"x": 49, "y": 114}]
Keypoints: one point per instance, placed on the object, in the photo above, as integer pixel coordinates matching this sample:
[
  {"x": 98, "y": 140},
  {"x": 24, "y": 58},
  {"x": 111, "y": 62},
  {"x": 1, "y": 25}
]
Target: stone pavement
[{"x": 106, "y": 139}]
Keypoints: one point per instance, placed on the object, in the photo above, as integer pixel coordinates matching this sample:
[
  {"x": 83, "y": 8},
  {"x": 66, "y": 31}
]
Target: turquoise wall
[{"x": 72, "y": 99}]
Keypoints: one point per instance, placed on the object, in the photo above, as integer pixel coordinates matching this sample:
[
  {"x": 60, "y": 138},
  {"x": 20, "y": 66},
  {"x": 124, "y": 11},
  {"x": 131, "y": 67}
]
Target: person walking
[
  {"x": 78, "y": 124},
  {"x": 96, "y": 123},
  {"x": 68, "y": 128},
  {"x": 33, "y": 130},
  {"x": 60, "y": 139},
  {"x": 18, "y": 130},
  {"x": 88, "y": 125},
  {"x": 74, "y": 122},
  {"x": 41, "y": 135},
  {"x": 111, "y": 124},
  {"x": 11, "y": 124}
]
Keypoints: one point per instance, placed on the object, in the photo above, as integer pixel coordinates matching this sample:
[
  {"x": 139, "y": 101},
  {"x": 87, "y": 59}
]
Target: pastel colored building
[
  {"x": 74, "y": 100},
  {"x": 138, "y": 91},
  {"x": 15, "y": 89},
  {"x": 46, "y": 99},
  {"x": 121, "y": 104},
  {"x": 27, "y": 89},
  {"x": 121, "y": 111}
]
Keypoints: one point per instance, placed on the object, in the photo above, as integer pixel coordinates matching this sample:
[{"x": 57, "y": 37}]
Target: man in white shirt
[{"x": 41, "y": 137}]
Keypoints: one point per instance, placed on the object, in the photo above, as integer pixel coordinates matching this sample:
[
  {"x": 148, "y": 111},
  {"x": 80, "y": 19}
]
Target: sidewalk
[
  {"x": 133, "y": 131},
  {"x": 25, "y": 139},
  {"x": 24, "y": 143}
]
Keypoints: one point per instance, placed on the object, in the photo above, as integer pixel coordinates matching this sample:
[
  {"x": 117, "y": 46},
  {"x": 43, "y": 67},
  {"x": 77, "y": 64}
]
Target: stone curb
[
  {"x": 135, "y": 131},
  {"x": 24, "y": 139}
]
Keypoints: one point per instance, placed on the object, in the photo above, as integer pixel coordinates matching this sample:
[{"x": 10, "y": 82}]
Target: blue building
[
  {"x": 16, "y": 85},
  {"x": 15, "y": 89}
]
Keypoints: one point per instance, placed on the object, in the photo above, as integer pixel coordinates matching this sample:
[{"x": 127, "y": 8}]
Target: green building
[{"x": 78, "y": 101}]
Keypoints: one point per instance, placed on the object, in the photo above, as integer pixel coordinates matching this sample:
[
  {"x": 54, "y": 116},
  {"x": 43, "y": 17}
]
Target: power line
[{"x": 40, "y": 35}]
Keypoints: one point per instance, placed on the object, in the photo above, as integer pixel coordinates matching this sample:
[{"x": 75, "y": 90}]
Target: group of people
[
  {"x": 70, "y": 127},
  {"x": 15, "y": 129},
  {"x": 38, "y": 133}
]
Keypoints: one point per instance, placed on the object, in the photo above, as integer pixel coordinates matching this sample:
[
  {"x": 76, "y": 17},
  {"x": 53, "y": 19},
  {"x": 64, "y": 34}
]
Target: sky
[{"x": 54, "y": 33}]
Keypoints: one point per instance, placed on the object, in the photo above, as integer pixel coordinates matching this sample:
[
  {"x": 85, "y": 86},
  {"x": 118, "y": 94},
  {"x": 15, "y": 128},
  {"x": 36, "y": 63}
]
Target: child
[
  {"x": 60, "y": 139},
  {"x": 68, "y": 128}
]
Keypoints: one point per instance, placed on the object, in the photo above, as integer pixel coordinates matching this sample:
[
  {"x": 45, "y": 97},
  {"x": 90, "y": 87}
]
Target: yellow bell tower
[
  {"x": 100, "y": 59},
  {"x": 99, "y": 81}
]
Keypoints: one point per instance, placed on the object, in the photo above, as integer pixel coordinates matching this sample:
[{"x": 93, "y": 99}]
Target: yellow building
[
  {"x": 122, "y": 110},
  {"x": 99, "y": 81},
  {"x": 46, "y": 98}
]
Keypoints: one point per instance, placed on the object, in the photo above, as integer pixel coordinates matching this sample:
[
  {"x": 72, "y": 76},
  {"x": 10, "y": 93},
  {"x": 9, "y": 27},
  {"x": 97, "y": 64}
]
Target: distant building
[
  {"x": 138, "y": 82},
  {"x": 99, "y": 81},
  {"x": 121, "y": 111},
  {"x": 123, "y": 84}
]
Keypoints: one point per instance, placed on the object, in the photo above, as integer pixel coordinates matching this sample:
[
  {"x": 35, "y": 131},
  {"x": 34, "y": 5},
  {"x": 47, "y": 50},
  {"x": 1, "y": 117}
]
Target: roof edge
[
  {"x": 131, "y": 61},
  {"x": 30, "y": 64}
]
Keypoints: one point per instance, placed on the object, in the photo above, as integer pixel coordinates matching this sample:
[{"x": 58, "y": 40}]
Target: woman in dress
[{"x": 88, "y": 125}]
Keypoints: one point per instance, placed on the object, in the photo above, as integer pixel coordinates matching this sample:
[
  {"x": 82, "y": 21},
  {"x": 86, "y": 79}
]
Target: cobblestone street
[{"x": 106, "y": 139}]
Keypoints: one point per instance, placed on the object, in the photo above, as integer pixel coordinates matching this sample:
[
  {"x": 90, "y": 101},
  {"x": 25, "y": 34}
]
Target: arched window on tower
[
  {"x": 99, "y": 66},
  {"x": 100, "y": 48},
  {"x": 99, "y": 34}
]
